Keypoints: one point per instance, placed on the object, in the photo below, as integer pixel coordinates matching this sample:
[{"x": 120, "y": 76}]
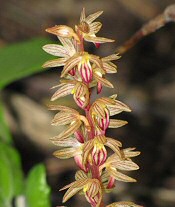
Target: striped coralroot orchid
[{"x": 84, "y": 137}]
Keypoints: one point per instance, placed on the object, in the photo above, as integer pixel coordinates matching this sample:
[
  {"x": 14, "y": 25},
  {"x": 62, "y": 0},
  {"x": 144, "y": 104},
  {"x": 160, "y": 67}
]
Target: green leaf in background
[
  {"x": 21, "y": 60},
  {"x": 37, "y": 190},
  {"x": 11, "y": 177},
  {"x": 5, "y": 135}
]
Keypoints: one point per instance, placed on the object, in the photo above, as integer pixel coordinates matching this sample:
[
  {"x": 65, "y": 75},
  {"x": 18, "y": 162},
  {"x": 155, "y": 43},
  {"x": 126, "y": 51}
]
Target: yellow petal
[
  {"x": 71, "y": 63},
  {"x": 82, "y": 15},
  {"x": 75, "y": 188},
  {"x": 114, "y": 145},
  {"x": 68, "y": 132},
  {"x": 67, "y": 152},
  {"x": 126, "y": 165},
  {"x": 68, "y": 142},
  {"x": 86, "y": 150},
  {"x": 114, "y": 142},
  {"x": 63, "y": 118},
  {"x": 95, "y": 27},
  {"x": 55, "y": 63},
  {"x": 80, "y": 175},
  {"x": 98, "y": 109},
  {"x": 120, "y": 176},
  {"x": 65, "y": 90},
  {"x": 63, "y": 108},
  {"x": 118, "y": 108},
  {"x": 103, "y": 81},
  {"x": 71, "y": 192},
  {"x": 96, "y": 60},
  {"x": 94, "y": 188},
  {"x": 56, "y": 50},
  {"x": 100, "y": 139},
  {"x": 93, "y": 16},
  {"x": 115, "y": 123},
  {"x": 81, "y": 90},
  {"x": 68, "y": 44},
  {"x": 107, "y": 101},
  {"x": 90, "y": 38},
  {"x": 128, "y": 152},
  {"x": 109, "y": 67},
  {"x": 111, "y": 57}
]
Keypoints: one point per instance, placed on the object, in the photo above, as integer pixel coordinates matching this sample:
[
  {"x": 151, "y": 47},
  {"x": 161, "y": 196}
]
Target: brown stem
[{"x": 161, "y": 20}]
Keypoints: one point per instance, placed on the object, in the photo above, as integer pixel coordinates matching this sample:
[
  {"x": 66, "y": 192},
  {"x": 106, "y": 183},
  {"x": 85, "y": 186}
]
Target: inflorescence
[{"x": 85, "y": 138}]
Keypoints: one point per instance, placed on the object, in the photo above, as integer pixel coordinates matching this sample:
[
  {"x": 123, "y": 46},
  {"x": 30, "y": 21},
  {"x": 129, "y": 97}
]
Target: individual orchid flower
[
  {"x": 95, "y": 152},
  {"x": 100, "y": 115},
  {"x": 103, "y": 108},
  {"x": 92, "y": 151},
  {"x": 90, "y": 187},
  {"x": 83, "y": 62},
  {"x": 88, "y": 28},
  {"x": 114, "y": 106},
  {"x": 123, "y": 204},
  {"x": 114, "y": 164},
  {"x": 78, "y": 89},
  {"x": 67, "y": 116},
  {"x": 72, "y": 148}
]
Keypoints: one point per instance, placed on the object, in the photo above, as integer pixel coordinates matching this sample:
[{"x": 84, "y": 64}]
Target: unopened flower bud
[
  {"x": 62, "y": 31},
  {"x": 99, "y": 87}
]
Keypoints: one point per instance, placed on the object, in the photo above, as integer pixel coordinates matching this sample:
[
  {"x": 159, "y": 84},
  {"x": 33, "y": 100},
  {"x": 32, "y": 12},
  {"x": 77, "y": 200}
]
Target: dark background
[{"x": 145, "y": 81}]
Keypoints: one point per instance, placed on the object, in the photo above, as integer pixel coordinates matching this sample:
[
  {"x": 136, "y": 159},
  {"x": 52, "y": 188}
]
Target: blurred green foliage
[
  {"x": 11, "y": 176},
  {"x": 18, "y": 61},
  {"x": 37, "y": 190},
  {"x": 21, "y": 60},
  {"x": 5, "y": 135}
]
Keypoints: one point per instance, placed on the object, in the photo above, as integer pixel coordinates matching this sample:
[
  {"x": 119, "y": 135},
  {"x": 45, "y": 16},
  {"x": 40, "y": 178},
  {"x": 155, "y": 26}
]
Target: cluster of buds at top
[{"x": 84, "y": 137}]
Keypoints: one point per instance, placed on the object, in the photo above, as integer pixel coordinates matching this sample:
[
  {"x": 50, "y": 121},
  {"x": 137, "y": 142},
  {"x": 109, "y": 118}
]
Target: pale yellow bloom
[
  {"x": 68, "y": 116},
  {"x": 102, "y": 109},
  {"x": 90, "y": 187},
  {"x": 89, "y": 28},
  {"x": 78, "y": 89},
  {"x": 114, "y": 164}
]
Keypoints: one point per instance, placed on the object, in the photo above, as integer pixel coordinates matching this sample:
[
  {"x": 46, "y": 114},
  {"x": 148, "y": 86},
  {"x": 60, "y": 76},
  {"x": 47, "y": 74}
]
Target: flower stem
[{"x": 91, "y": 133}]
